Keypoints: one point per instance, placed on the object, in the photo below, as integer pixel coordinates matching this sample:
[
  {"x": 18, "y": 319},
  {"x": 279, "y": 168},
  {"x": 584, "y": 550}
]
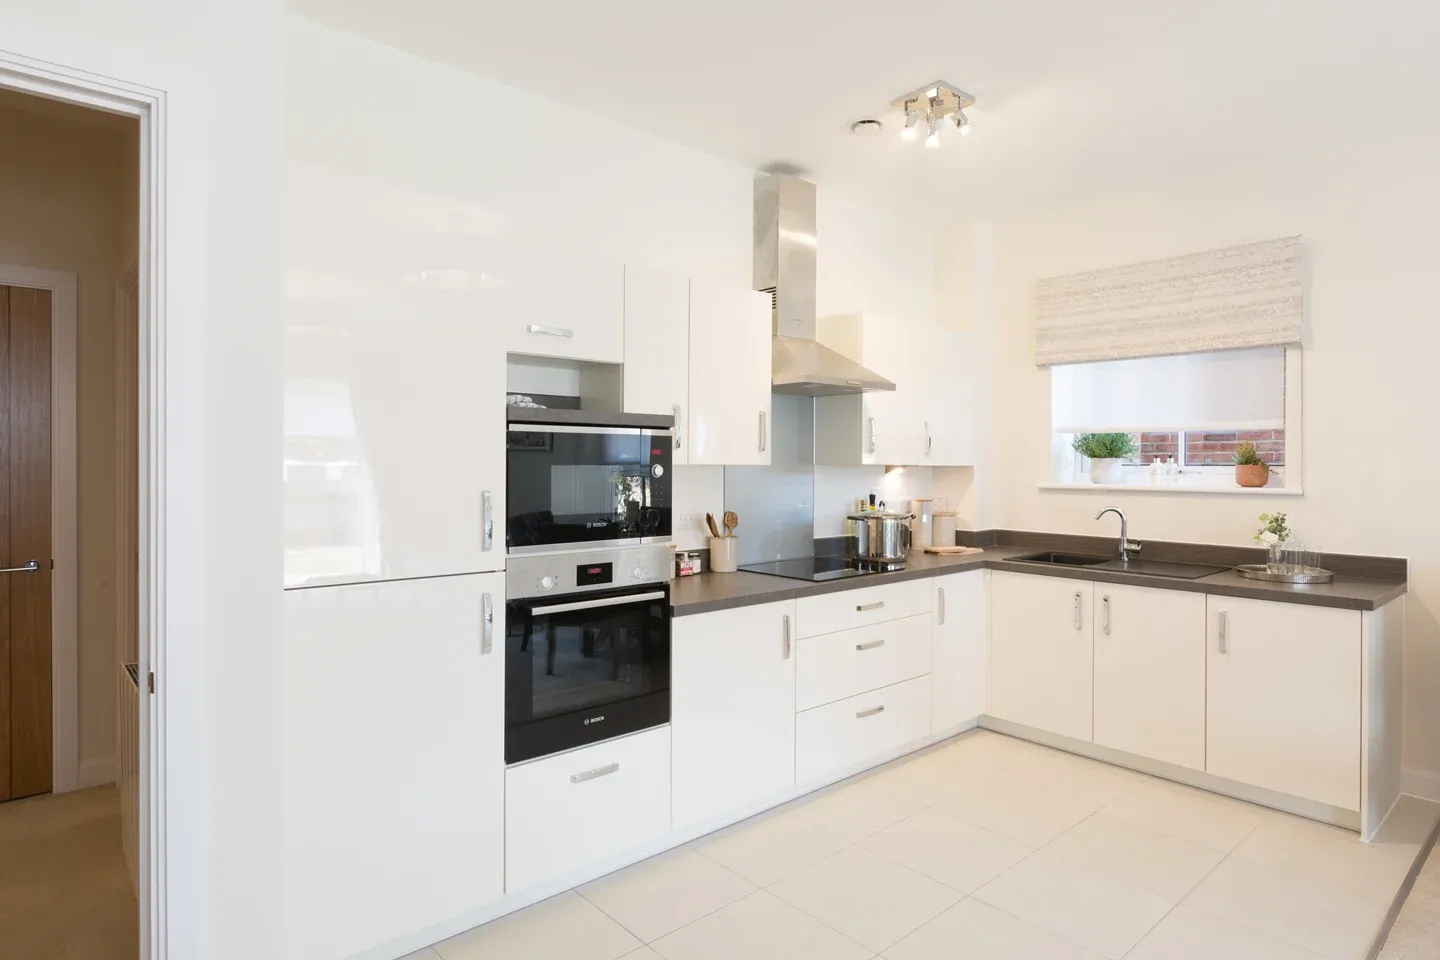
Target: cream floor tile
[
  {"x": 1329, "y": 856},
  {"x": 927, "y": 778},
  {"x": 766, "y": 849},
  {"x": 866, "y": 897},
  {"x": 1031, "y": 813},
  {"x": 857, "y": 810},
  {"x": 1320, "y": 919},
  {"x": 957, "y": 854},
  {"x": 1078, "y": 904},
  {"x": 664, "y": 893},
  {"x": 972, "y": 930},
  {"x": 566, "y": 927},
  {"x": 1190, "y": 934},
  {"x": 644, "y": 953},
  {"x": 1195, "y": 815},
  {"x": 1135, "y": 854},
  {"x": 426, "y": 954},
  {"x": 759, "y": 927}
]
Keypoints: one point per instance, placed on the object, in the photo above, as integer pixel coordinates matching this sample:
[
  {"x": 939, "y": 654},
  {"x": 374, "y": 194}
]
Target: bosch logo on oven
[{"x": 590, "y": 720}]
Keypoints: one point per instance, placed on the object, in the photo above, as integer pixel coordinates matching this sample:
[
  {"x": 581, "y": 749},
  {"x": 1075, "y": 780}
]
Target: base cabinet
[
  {"x": 394, "y": 810},
  {"x": 1150, "y": 672},
  {"x": 732, "y": 710},
  {"x": 867, "y": 727},
  {"x": 1042, "y": 653},
  {"x": 959, "y": 675},
  {"x": 1284, "y": 698}
]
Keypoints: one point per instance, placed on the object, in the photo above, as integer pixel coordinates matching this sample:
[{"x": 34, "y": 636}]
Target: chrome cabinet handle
[
  {"x": 1224, "y": 632},
  {"x": 676, "y": 408},
  {"x": 595, "y": 774},
  {"x": 941, "y": 606},
  {"x": 870, "y": 713},
  {"x": 550, "y": 331},
  {"x": 872, "y": 434},
  {"x": 763, "y": 431},
  {"x": 1105, "y": 616},
  {"x": 31, "y": 566},
  {"x": 1077, "y": 611},
  {"x": 487, "y": 632},
  {"x": 487, "y": 521},
  {"x": 866, "y": 607},
  {"x": 871, "y": 645},
  {"x": 929, "y": 440},
  {"x": 785, "y": 637}
]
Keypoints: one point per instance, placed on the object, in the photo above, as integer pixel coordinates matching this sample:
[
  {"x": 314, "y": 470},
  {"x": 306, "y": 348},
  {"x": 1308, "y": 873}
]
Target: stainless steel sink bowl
[
  {"x": 1146, "y": 568},
  {"x": 1063, "y": 559}
]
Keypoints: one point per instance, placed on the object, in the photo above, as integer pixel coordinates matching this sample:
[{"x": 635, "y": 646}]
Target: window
[{"x": 1197, "y": 408}]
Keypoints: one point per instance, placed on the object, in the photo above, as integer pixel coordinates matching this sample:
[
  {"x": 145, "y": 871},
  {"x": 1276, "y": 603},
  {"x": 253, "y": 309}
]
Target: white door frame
[
  {"x": 64, "y": 509},
  {"x": 169, "y": 103}
]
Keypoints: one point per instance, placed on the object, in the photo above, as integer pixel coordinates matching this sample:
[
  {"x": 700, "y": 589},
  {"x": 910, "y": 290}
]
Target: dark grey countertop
[{"x": 723, "y": 591}]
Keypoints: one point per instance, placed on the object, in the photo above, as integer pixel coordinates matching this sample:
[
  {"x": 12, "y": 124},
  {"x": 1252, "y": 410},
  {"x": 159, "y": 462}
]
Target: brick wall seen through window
[{"x": 1212, "y": 448}]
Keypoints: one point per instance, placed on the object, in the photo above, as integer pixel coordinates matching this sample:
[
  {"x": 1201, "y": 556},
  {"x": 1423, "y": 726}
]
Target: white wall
[
  {"x": 1368, "y": 214},
  {"x": 62, "y": 207}
]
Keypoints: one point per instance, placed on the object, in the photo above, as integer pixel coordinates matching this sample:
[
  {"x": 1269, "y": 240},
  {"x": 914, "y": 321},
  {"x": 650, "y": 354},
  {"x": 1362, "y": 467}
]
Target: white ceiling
[{"x": 1074, "y": 98}]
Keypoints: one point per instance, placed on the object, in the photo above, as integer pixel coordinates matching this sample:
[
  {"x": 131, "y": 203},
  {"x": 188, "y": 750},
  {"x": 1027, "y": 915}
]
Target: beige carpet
[
  {"x": 64, "y": 890},
  {"x": 1416, "y": 934}
]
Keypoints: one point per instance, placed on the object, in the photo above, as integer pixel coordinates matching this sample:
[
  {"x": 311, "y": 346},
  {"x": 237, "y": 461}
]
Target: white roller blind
[{"x": 1224, "y": 390}]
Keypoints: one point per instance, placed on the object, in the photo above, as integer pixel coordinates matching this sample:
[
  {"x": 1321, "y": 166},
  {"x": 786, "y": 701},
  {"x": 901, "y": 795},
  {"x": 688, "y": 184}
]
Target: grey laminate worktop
[{"x": 708, "y": 592}]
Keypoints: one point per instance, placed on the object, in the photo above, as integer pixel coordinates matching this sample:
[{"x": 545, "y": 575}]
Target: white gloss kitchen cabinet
[
  {"x": 1042, "y": 652},
  {"x": 394, "y": 439},
  {"x": 1150, "y": 672},
  {"x": 394, "y": 810},
  {"x": 550, "y": 303},
  {"x": 732, "y": 717},
  {"x": 959, "y": 673},
  {"x": 1284, "y": 698},
  {"x": 946, "y": 361},
  {"x": 657, "y": 350}
]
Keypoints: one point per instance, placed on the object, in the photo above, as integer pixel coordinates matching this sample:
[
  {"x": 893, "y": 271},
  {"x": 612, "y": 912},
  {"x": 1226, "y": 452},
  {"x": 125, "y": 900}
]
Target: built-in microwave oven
[{"x": 577, "y": 484}]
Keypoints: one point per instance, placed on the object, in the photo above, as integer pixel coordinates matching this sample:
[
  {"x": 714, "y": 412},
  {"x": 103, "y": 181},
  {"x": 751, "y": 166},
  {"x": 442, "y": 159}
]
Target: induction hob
[{"x": 821, "y": 568}]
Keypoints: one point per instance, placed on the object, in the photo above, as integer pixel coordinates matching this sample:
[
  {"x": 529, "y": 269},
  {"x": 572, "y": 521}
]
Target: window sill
[{"x": 1225, "y": 490}]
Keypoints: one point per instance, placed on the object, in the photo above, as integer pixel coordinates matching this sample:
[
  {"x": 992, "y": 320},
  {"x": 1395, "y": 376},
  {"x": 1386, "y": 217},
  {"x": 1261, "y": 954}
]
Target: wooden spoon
[
  {"x": 731, "y": 522},
  {"x": 710, "y": 521}
]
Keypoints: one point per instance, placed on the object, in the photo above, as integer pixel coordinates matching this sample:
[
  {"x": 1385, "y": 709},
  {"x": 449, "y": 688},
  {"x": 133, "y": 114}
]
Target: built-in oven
[
  {"x": 587, "y": 648},
  {"x": 576, "y": 484}
]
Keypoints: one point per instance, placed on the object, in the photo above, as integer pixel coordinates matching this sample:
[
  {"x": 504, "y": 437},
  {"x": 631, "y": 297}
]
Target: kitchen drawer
[
  {"x": 565, "y": 812},
  {"x": 861, "y": 607},
  {"x": 865, "y": 727},
  {"x": 834, "y": 666}
]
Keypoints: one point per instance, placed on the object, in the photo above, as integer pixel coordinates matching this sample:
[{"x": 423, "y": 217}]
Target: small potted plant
[
  {"x": 1107, "y": 452},
  {"x": 1250, "y": 470},
  {"x": 1272, "y": 535}
]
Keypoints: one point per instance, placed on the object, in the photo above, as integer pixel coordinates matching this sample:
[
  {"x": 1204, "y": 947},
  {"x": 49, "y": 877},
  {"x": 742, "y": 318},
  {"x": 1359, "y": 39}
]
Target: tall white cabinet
[{"x": 394, "y": 759}]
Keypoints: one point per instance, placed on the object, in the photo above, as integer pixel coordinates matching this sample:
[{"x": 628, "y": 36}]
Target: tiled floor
[
  {"x": 65, "y": 892},
  {"x": 1416, "y": 934},
  {"x": 985, "y": 848}
]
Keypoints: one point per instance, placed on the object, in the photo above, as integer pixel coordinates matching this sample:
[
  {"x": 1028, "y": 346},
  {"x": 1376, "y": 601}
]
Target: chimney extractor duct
[{"x": 785, "y": 268}]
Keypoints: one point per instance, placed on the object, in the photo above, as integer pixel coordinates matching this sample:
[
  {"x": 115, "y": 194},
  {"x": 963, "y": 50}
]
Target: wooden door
[
  {"x": 1041, "y": 653},
  {"x": 25, "y": 727},
  {"x": 1150, "y": 673}
]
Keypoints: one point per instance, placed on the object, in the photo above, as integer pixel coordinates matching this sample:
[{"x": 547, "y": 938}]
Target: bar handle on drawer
[
  {"x": 550, "y": 331},
  {"x": 785, "y": 636},
  {"x": 487, "y": 521},
  {"x": 595, "y": 774},
  {"x": 1077, "y": 610},
  {"x": 1224, "y": 629},
  {"x": 871, "y": 645},
  {"x": 870, "y": 713},
  {"x": 487, "y": 630},
  {"x": 867, "y": 607}
]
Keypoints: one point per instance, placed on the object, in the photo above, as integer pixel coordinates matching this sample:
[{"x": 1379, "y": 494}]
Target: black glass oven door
[
  {"x": 585, "y": 668},
  {"x": 586, "y": 485}
]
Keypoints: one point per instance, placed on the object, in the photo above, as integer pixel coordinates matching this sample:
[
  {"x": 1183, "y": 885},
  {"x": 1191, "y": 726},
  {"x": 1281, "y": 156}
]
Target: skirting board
[
  {"x": 1421, "y": 783},
  {"x": 1310, "y": 809},
  {"x": 95, "y": 772}
]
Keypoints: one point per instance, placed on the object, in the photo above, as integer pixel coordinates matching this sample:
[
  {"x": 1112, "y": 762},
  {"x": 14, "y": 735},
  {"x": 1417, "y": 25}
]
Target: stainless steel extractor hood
[{"x": 785, "y": 249}]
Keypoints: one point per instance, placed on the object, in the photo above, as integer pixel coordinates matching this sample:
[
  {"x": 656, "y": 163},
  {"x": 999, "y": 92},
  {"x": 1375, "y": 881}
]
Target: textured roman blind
[{"x": 1246, "y": 296}]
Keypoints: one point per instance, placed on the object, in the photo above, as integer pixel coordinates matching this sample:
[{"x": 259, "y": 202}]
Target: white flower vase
[{"x": 1105, "y": 469}]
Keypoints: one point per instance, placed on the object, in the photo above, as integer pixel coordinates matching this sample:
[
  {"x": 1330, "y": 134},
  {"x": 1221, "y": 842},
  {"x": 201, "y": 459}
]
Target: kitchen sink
[{"x": 1148, "y": 568}]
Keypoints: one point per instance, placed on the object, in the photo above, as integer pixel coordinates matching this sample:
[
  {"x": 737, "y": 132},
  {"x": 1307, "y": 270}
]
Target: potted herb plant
[
  {"x": 1250, "y": 470},
  {"x": 1107, "y": 452}
]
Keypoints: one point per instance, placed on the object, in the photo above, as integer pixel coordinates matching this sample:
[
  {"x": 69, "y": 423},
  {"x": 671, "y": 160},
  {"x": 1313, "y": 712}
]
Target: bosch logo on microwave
[{"x": 590, "y": 720}]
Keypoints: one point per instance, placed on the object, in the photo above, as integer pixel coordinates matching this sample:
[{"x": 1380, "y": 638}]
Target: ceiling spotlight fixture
[
  {"x": 912, "y": 120},
  {"x": 942, "y": 100}
]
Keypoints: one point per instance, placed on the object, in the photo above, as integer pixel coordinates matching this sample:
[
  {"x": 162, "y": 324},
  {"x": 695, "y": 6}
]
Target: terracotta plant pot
[{"x": 1252, "y": 474}]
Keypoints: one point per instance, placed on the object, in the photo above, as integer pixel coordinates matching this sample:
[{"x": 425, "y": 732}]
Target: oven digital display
[{"x": 589, "y": 574}]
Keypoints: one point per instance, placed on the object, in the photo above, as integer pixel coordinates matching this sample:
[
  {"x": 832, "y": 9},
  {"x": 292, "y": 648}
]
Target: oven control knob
[
  {"x": 546, "y": 583},
  {"x": 638, "y": 573}
]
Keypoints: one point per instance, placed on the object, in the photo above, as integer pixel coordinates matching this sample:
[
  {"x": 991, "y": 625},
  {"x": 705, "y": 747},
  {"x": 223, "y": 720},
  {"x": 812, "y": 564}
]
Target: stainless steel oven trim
[
  {"x": 550, "y": 608},
  {"x": 580, "y": 546},
  {"x": 580, "y": 428}
]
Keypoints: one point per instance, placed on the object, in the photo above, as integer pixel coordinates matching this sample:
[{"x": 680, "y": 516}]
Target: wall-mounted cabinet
[
  {"x": 701, "y": 353},
  {"x": 927, "y": 420},
  {"x": 551, "y": 305}
]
